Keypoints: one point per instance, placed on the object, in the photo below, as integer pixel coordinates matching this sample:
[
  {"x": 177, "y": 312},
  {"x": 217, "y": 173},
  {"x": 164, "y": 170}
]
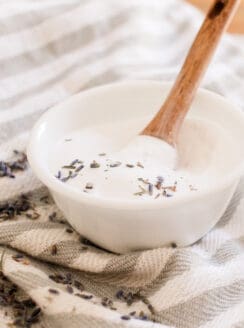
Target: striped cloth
[{"x": 51, "y": 49}]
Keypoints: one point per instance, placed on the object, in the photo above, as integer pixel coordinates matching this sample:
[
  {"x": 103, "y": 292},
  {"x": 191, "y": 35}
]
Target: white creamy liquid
[{"x": 139, "y": 169}]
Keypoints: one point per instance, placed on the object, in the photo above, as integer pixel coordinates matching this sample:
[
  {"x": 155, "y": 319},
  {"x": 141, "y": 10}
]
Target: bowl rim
[{"x": 70, "y": 192}]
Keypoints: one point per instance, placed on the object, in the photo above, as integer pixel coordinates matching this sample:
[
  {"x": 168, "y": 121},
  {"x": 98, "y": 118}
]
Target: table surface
[{"x": 237, "y": 25}]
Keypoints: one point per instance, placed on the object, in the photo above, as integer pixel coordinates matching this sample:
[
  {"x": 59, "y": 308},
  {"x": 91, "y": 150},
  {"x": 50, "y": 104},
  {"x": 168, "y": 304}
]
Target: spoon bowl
[{"x": 127, "y": 225}]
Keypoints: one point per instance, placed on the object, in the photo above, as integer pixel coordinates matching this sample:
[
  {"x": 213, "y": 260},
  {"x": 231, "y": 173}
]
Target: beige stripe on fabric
[
  {"x": 229, "y": 318},
  {"x": 107, "y": 41},
  {"x": 13, "y": 86},
  {"x": 93, "y": 262},
  {"x": 180, "y": 262},
  {"x": 60, "y": 47},
  {"x": 78, "y": 81},
  {"x": 195, "y": 283},
  {"x": 120, "y": 269},
  {"x": 62, "y": 79},
  {"x": 27, "y": 276},
  {"x": 199, "y": 310},
  {"x": 232, "y": 230},
  {"x": 10, "y": 232},
  {"x": 70, "y": 253},
  {"x": 47, "y": 31},
  {"x": 9, "y": 8},
  {"x": 31, "y": 18},
  {"x": 149, "y": 266},
  {"x": 41, "y": 238},
  {"x": 229, "y": 250},
  {"x": 29, "y": 280}
]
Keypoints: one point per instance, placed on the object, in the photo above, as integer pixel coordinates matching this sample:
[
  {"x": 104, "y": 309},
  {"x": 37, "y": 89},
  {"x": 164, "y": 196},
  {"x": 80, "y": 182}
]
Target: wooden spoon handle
[{"x": 167, "y": 122}]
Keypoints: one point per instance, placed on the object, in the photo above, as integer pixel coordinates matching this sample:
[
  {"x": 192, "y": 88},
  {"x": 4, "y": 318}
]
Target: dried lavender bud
[
  {"x": 125, "y": 317},
  {"x": 54, "y": 250},
  {"x": 130, "y": 298},
  {"x": 151, "y": 308},
  {"x": 10, "y": 209},
  {"x": 173, "y": 245},
  {"x": 45, "y": 199},
  {"x": 35, "y": 312},
  {"x": 120, "y": 294},
  {"x": 29, "y": 303},
  {"x": 68, "y": 276},
  {"x": 130, "y": 165},
  {"x": 53, "y": 291},
  {"x": 79, "y": 168},
  {"x": 159, "y": 182},
  {"x": 7, "y": 169},
  {"x": 106, "y": 302},
  {"x": 142, "y": 316},
  {"x": 139, "y": 164},
  {"x": 69, "y": 230},
  {"x": 57, "y": 278},
  {"x": 141, "y": 192},
  {"x": 165, "y": 194},
  {"x": 150, "y": 189},
  {"x": 115, "y": 164},
  {"x": 79, "y": 285},
  {"x": 58, "y": 175},
  {"x": 145, "y": 181},
  {"x": 71, "y": 167},
  {"x": 89, "y": 185},
  {"x": 75, "y": 161},
  {"x": 102, "y": 154},
  {"x": 52, "y": 216},
  {"x": 67, "y": 177},
  {"x": 84, "y": 296},
  {"x": 94, "y": 165},
  {"x": 33, "y": 216},
  {"x": 69, "y": 289}
]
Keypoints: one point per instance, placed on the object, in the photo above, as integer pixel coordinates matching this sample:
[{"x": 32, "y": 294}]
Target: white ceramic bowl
[{"x": 122, "y": 226}]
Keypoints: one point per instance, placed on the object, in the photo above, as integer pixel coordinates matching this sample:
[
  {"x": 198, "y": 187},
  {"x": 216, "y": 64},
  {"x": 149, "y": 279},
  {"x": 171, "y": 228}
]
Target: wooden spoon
[{"x": 167, "y": 122}]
